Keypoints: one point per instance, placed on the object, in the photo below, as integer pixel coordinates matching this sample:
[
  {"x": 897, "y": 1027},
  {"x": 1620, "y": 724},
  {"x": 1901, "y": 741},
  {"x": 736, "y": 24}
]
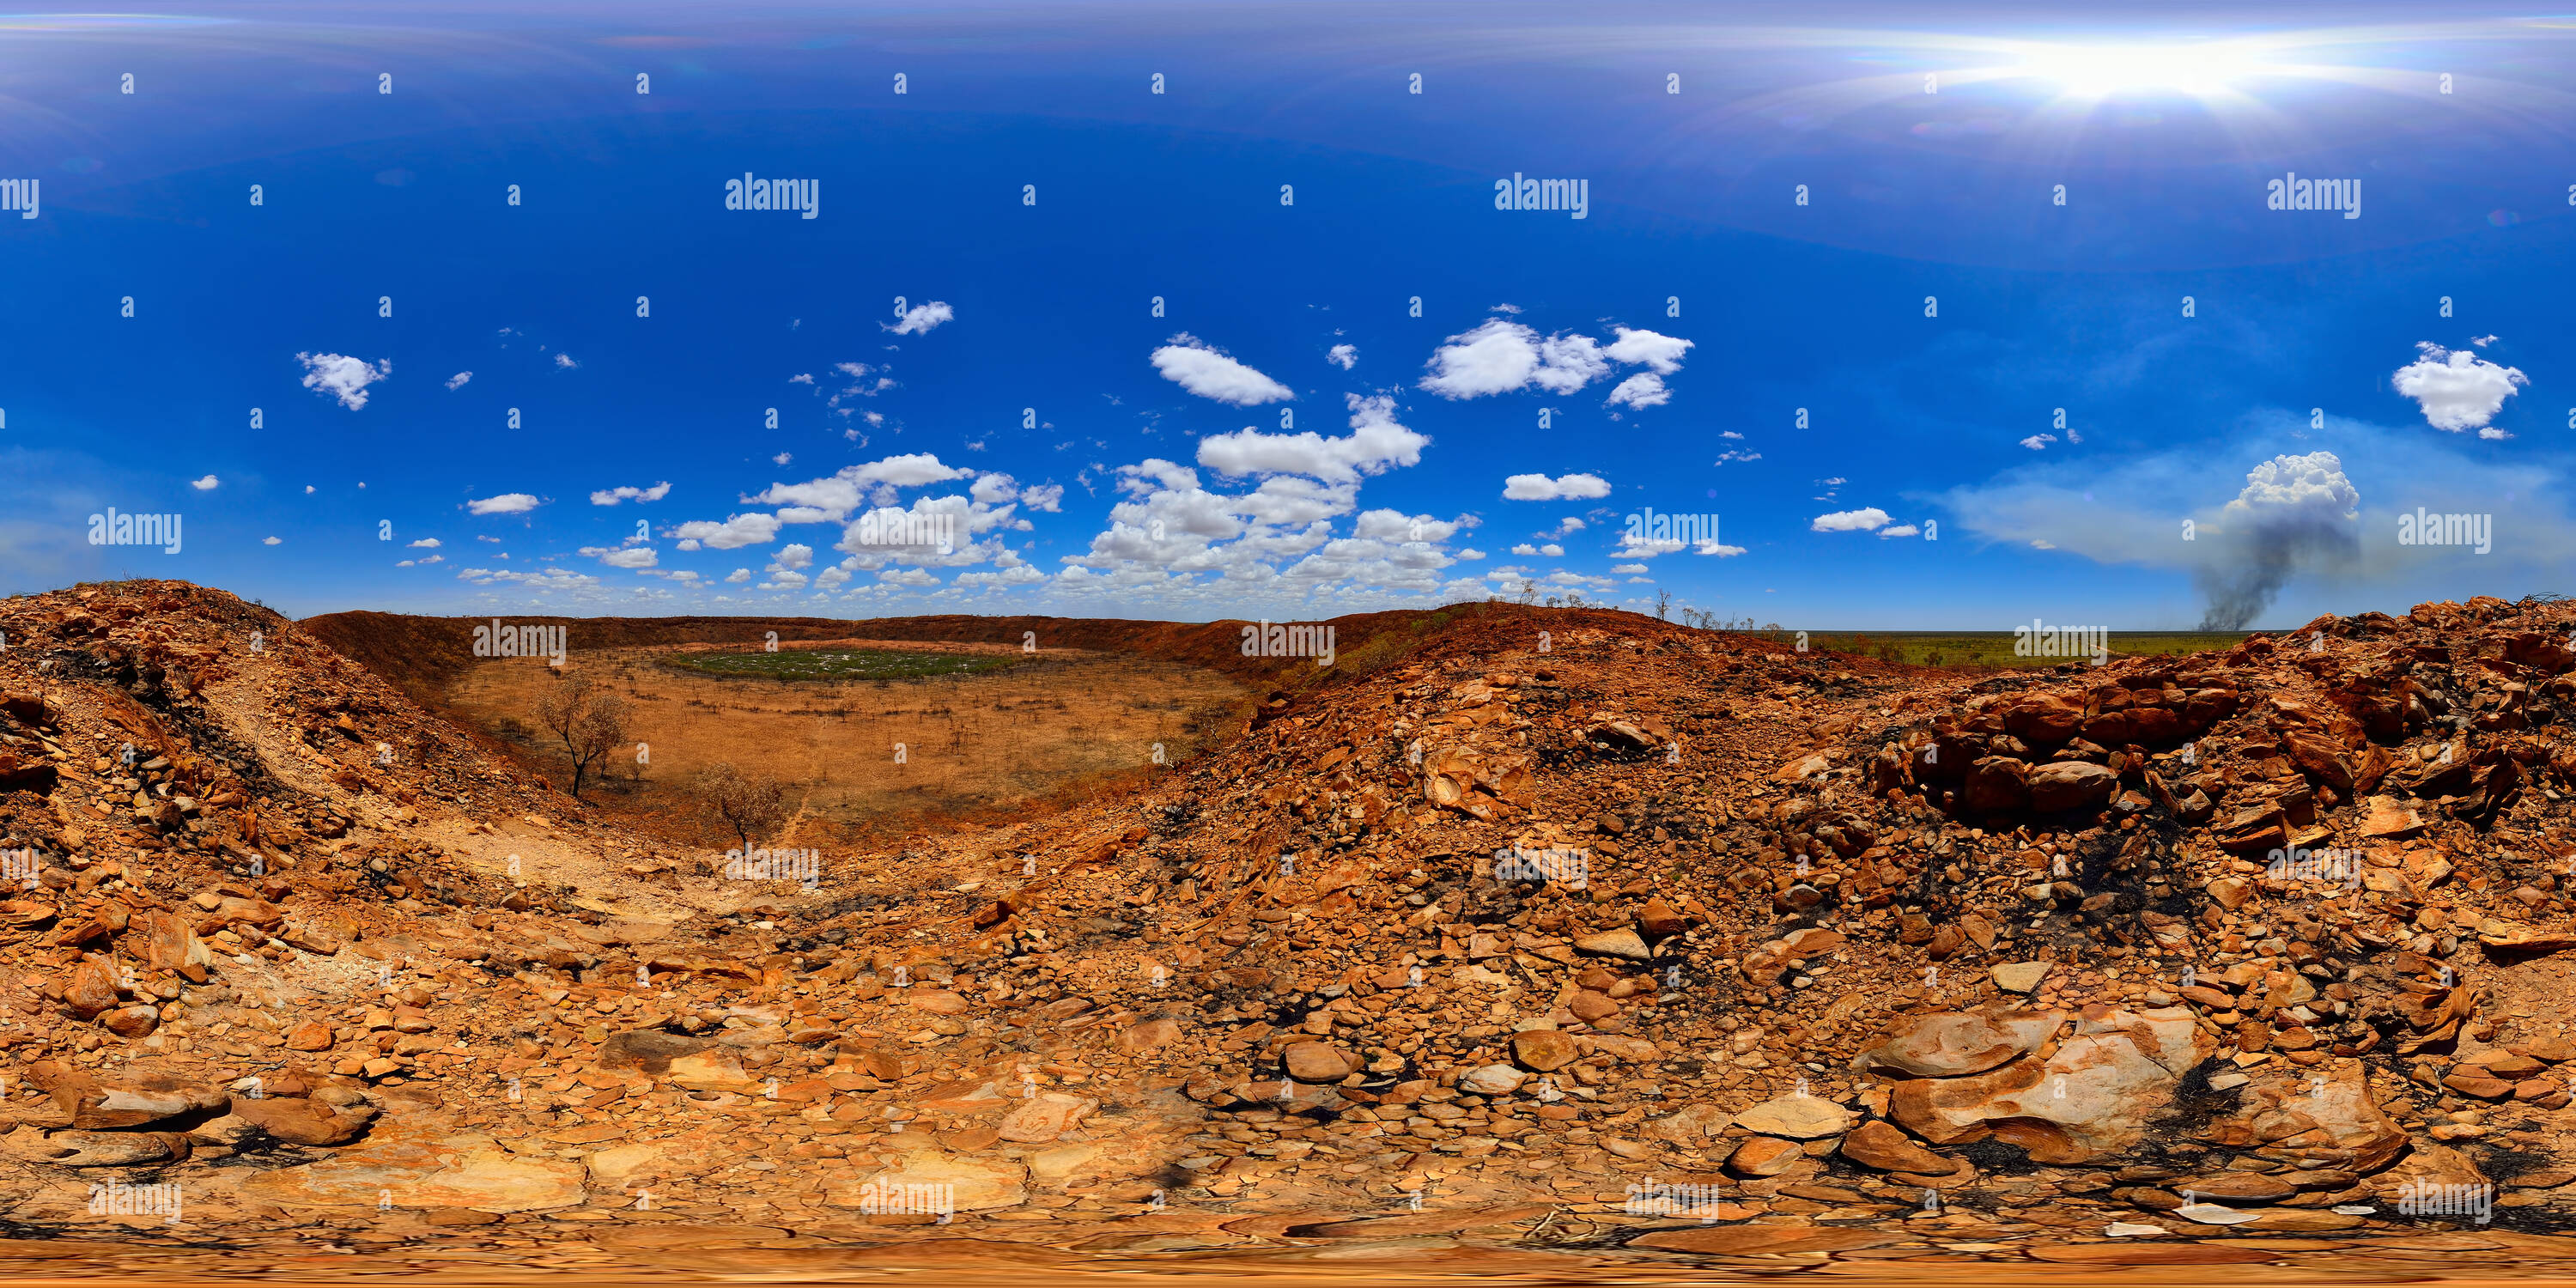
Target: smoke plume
[{"x": 2296, "y": 513}]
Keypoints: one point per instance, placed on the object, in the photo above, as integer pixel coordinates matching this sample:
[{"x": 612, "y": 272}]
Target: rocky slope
[{"x": 1557, "y": 930}]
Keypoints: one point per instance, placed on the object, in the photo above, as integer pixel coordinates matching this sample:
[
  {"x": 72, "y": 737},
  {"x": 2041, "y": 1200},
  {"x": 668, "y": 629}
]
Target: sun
[{"x": 2100, "y": 71}]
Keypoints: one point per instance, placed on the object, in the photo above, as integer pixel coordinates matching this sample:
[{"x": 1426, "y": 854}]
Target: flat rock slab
[
  {"x": 1797, "y": 1118},
  {"x": 462, "y": 1171},
  {"x": 1953, "y": 1045}
]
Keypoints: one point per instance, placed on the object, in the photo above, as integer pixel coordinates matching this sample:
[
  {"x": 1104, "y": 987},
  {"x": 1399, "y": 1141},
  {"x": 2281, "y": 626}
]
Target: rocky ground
[{"x": 1555, "y": 943}]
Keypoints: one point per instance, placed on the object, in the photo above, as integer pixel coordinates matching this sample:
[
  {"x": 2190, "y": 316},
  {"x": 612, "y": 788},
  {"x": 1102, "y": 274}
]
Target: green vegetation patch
[
  {"x": 840, "y": 664},
  {"x": 1995, "y": 648}
]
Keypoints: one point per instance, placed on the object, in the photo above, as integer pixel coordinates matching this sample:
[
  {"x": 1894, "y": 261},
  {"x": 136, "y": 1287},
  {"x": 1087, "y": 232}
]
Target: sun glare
[{"x": 2098, "y": 71}]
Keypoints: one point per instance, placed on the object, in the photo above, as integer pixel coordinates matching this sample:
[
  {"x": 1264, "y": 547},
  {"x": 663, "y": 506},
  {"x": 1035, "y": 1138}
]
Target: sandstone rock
[
  {"x": 89, "y": 988},
  {"x": 1658, "y": 919},
  {"x": 2387, "y": 819},
  {"x": 1951, "y": 1044},
  {"x": 648, "y": 1050},
  {"x": 1797, "y": 1118},
  {"x": 1148, "y": 1035},
  {"x": 714, "y": 1069},
  {"x": 300, "y": 1121},
  {"x": 1544, "y": 1050},
  {"x": 1622, "y": 942},
  {"x": 111, "y": 1148},
  {"x": 2070, "y": 785},
  {"x": 2516, "y": 937},
  {"x": 311, "y": 1035},
  {"x": 468, "y": 1170},
  {"x": 1764, "y": 1156},
  {"x": 1493, "y": 1080},
  {"x": 2092, "y": 1097},
  {"x": 131, "y": 1100},
  {"x": 976, "y": 1184},
  {"x": 1046, "y": 1117},
  {"x": 1997, "y": 783},
  {"x": 1878, "y": 1145},
  {"x": 1689, "y": 1127},
  {"x": 2233, "y": 1187},
  {"x": 1320, "y": 1062},
  {"x": 2019, "y": 977}
]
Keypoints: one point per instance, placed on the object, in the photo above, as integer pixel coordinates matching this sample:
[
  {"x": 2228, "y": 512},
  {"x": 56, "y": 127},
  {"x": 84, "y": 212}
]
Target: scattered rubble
[{"x": 2237, "y": 944}]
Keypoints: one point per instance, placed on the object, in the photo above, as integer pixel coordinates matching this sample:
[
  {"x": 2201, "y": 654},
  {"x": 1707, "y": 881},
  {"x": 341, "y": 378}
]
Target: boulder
[
  {"x": 1998, "y": 783},
  {"x": 1797, "y": 1118},
  {"x": 1319, "y": 1062},
  {"x": 2070, "y": 785},
  {"x": 89, "y": 989},
  {"x": 1764, "y": 1156},
  {"x": 2019, "y": 977},
  {"x": 299, "y": 1121},
  {"x": 1493, "y": 1080},
  {"x": 1878, "y": 1145},
  {"x": 130, "y": 1100},
  {"x": 1544, "y": 1050},
  {"x": 1952, "y": 1044},
  {"x": 2092, "y": 1097}
]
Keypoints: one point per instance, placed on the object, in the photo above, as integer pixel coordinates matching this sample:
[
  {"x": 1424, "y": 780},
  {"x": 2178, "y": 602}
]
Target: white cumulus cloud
[
  {"x": 1539, "y": 487},
  {"x": 921, "y": 317},
  {"x": 506, "y": 503},
  {"x": 337, "y": 375},
  {"x": 2457, "y": 389},
  {"x": 1868, "y": 519},
  {"x": 611, "y": 496},
  {"x": 1189, "y": 362}
]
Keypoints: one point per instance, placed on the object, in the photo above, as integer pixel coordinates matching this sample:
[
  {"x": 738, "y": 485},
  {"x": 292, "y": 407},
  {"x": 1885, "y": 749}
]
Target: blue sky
[{"x": 1029, "y": 198}]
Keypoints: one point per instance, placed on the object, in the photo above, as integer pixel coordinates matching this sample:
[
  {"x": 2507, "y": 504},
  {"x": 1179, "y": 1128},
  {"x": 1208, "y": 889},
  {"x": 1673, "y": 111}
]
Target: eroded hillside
[{"x": 1559, "y": 939}]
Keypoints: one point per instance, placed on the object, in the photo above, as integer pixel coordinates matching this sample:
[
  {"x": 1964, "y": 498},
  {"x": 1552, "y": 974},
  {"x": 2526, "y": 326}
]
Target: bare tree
[
  {"x": 1663, "y": 605},
  {"x": 750, "y": 805},
  {"x": 589, "y": 720}
]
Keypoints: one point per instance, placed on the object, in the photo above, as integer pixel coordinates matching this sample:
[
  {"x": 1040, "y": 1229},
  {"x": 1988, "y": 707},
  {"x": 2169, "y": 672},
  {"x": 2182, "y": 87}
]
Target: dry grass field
[{"x": 1027, "y": 734}]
